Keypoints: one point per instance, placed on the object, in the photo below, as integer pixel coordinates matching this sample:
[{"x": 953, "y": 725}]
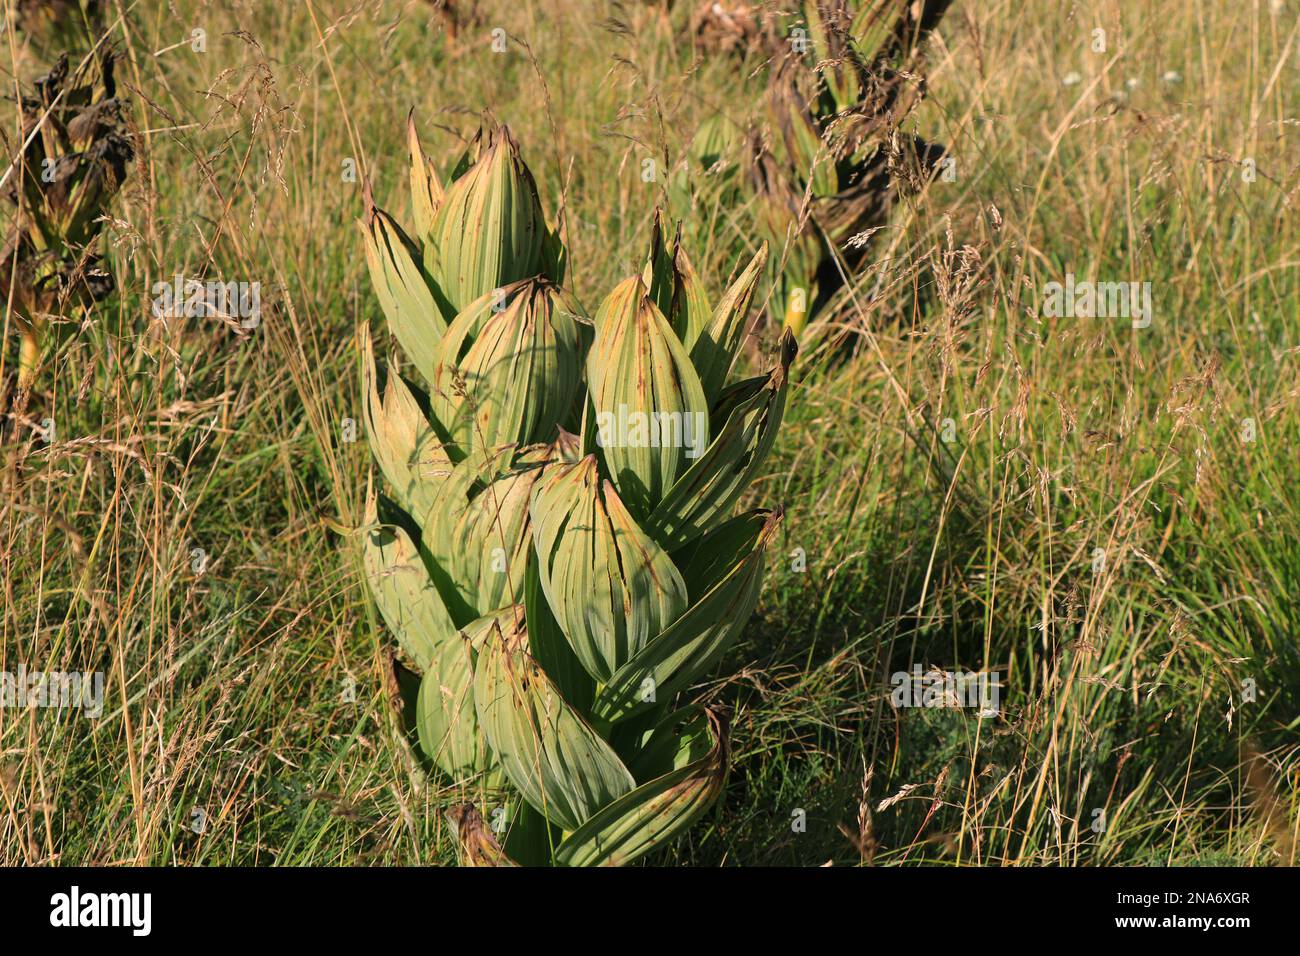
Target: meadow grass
[{"x": 1105, "y": 515}]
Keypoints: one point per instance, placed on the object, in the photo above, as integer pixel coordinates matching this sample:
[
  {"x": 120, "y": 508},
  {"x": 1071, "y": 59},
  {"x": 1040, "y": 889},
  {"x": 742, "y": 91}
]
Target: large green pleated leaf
[
  {"x": 477, "y": 532},
  {"x": 548, "y": 645},
  {"x": 403, "y": 290},
  {"x": 691, "y": 313},
  {"x": 446, "y": 721},
  {"x": 650, "y": 409},
  {"x": 674, "y": 286},
  {"x": 426, "y": 189},
  {"x": 429, "y": 467},
  {"x": 392, "y": 436},
  {"x": 725, "y": 575},
  {"x": 509, "y": 367},
  {"x": 554, "y": 261},
  {"x": 704, "y": 496},
  {"x": 404, "y": 444},
  {"x": 611, "y": 588},
  {"x": 489, "y": 230},
  {"x": 547, "y": 750},
  {"x": 403, "y": 590},
  {"x": 657, "y": 811},
  {"x": 714, "y": 350}
]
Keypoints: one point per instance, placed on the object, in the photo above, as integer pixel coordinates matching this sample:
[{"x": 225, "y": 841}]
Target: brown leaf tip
[{"x": 368, "y": 200}]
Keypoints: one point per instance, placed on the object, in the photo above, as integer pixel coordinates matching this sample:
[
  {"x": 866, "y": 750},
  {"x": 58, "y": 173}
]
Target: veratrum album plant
[
  {"x": 836, "y": 155},
  {"x": 561, "y": 558},
  {"x": 73, "y": 155},
  {"x": 826, "y": 168}
]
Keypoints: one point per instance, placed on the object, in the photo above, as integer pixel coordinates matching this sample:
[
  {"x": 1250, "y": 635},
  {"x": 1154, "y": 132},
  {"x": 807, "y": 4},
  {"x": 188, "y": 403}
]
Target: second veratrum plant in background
[
  {"x": 73, "y": 154},
  {"x": 830, "y": 161},
  {"x": 563, "y": 558}
]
